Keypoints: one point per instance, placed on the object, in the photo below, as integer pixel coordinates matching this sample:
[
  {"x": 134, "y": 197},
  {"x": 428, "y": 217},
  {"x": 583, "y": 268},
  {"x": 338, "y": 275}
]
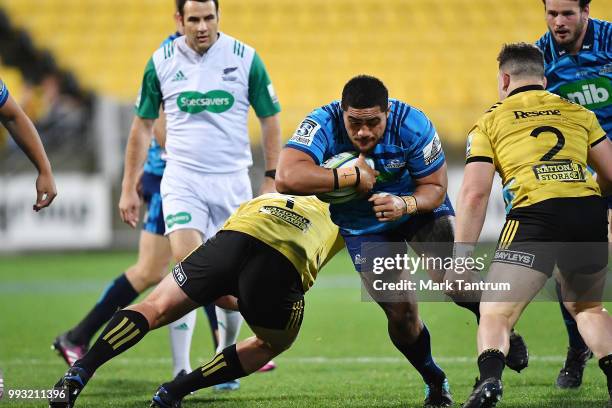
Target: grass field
[{"x": 342, "y": 358}]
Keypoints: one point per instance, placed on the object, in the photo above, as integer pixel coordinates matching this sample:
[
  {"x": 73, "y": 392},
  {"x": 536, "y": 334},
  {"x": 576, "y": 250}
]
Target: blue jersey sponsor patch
[{"x": 585, "y": 78}]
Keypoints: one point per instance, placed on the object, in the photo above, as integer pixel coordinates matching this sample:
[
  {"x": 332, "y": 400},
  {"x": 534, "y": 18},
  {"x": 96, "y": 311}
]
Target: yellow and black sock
[
  {"x": 117, "y": 295},
  {"x": 124, "y": 330},
  {"x": 224, "y": 367}
]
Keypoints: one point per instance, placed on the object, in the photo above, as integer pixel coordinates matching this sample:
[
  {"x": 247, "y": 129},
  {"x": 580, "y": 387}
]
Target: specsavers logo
[
  {"x": 590, "y": 93},
  {"x": 178, "y": 218},
  {"x": 213, "y": 101}
]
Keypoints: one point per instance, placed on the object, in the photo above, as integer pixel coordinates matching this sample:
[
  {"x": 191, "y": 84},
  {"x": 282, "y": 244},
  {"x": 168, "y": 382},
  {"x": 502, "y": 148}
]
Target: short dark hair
[
  {"x": 180, "y": 5},
  {"x": 521, "y": 59},
  {"x": 581, "y": 3},
  {"x": 365, "y": 91}
]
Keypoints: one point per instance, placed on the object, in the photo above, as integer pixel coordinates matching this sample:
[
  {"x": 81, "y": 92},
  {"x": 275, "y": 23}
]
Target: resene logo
[
  {"x": 590, "y": 93},
  {"x": 178, "y": 218},
  {"x": 214, "y": 101}
]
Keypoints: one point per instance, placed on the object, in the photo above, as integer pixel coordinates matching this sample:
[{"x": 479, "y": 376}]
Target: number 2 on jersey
[{"x": 556, "y": 148}]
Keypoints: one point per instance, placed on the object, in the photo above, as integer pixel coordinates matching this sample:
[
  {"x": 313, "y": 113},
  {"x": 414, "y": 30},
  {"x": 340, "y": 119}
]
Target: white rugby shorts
[{"x": 201, "y": 201}]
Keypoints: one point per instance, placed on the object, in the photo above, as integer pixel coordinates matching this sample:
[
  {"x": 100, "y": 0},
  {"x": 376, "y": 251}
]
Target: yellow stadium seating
[{"x": 438, "y": 55}]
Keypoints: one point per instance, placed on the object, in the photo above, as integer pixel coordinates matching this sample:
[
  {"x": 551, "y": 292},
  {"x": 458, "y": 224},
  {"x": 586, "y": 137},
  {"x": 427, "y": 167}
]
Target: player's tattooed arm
[{"x": 297, "y": 173}]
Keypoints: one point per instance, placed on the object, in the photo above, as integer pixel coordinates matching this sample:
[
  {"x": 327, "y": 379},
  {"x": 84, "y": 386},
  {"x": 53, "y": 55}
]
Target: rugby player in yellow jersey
[
  {"x": 267, "y": 255},
  {"x": 540, "y": 145}
]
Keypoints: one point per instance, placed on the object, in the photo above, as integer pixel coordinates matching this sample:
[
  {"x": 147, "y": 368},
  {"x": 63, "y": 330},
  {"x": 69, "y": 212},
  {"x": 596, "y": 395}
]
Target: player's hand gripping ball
[{"x": 341, "y": 160}]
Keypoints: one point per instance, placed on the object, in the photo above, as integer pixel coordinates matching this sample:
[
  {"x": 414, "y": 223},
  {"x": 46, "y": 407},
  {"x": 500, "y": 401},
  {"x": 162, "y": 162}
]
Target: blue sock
[
  {"x": 575, "y": 339},
  {"x": 419, "y": 355},
  {"x": 117, "y": 295},
  {"x": 212, "y": 320}
]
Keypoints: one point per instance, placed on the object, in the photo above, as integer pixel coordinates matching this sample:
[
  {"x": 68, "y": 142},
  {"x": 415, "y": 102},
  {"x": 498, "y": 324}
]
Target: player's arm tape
[
  {"x": 411, "y": 204},
  {"x": 346, "y": 177},
  {"x": 270, "y": 173}
]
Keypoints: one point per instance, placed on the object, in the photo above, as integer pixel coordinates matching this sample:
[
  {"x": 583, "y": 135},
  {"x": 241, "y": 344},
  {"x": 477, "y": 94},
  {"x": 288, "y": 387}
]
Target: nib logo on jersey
[
  {"x": 590, "y": 93},
  {"x": 213, "y": 101}
]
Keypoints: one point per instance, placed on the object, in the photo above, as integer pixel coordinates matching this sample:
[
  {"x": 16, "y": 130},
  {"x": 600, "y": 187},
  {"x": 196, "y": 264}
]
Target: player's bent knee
[
  {"x": 276, "y": 341},
  {"x": 508, "y": 311},
  {"x": 401, "y": 313},
  {"x": 584, "y": 307},
  {"x": 278, "y": 345},
  {"x": 228, "y": 302}
]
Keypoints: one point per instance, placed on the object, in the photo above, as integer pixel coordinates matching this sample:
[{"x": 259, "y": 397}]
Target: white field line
[{"x": 290, "y": 360}]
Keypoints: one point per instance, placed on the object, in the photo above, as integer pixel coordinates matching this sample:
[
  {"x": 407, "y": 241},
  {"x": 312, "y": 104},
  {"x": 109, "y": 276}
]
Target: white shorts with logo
[{"x": 201, "y": 201}]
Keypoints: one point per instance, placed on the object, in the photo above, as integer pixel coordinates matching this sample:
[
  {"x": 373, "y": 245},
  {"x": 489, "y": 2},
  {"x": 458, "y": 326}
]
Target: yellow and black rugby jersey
[
  {"x": 538, "y": 143},
  {"x": 297, "y": 226}
]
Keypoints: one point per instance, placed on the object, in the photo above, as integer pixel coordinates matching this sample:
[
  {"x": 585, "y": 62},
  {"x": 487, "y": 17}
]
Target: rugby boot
[
  {"x": 570, "y": 375},
  {"x": 70, "y": 385},
  {"x": 163, "y": 399},
  {"x": 518, "y": 355},
  {"x": 69, "y": 351},
  {"x": 438, "y": 395},
  {"x": 486, "y": 394}
]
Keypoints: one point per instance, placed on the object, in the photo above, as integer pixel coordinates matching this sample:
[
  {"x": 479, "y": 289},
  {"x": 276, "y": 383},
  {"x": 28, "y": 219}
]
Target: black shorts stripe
[{"x": 568, "y": 232}]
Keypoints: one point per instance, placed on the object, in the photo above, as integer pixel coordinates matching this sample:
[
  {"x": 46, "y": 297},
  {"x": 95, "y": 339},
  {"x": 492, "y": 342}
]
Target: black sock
[
  {"x": 211, "y": 313},
  {"x": 605, "y": 363},
  {"x": 473, "y": 307},
  {"x": 419, "y": 355},
  {"x": 491, "y": 364},
  {"x": 125, "y": 329},
  {"x": 117, "y": 295},
  {"x": 575, "y": 339},
  {"x": 224, "y": 367}
]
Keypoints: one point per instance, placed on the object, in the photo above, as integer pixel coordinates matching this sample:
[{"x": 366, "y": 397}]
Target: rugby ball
[{"x": 344, "y": 159}]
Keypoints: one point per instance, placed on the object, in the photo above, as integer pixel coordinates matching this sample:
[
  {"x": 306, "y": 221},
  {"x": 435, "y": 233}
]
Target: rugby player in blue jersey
[
  {"x": 409, "y": 179},
  {"x": 578, "y": 66}
]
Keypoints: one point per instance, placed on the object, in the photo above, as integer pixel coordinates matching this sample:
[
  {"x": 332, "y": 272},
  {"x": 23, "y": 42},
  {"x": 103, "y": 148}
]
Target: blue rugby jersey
[
  {"x": 585, "y": 78},
  {"x": 4, "y": 93},
  {"x": 155, "y": 164},
  {"x": 410, "y": 148}
]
